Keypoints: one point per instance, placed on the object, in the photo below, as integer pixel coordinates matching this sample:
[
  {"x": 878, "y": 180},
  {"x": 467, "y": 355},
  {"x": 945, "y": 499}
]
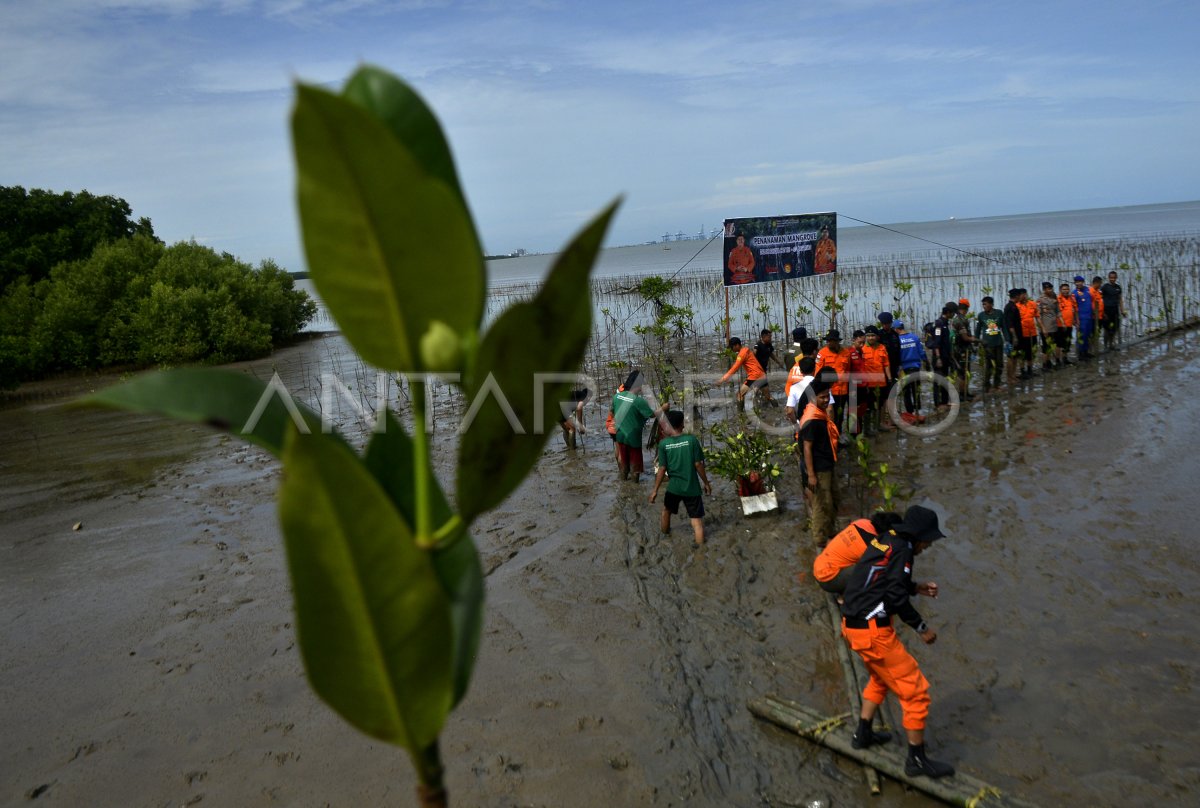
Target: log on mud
[{"x": 830, "y": 732}]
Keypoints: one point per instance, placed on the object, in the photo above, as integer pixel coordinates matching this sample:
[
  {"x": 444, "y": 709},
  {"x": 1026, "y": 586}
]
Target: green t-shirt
[
  {"x": 679, "y": 456},
  {"x": 630, "y": 413},
  {"x": 989, "y": 328}
]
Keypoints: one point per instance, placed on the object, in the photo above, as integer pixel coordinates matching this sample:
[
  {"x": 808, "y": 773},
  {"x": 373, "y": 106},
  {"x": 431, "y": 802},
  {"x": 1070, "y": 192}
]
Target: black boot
[
  {"x": 918, "y": 764},
  {"x": 864, "y": 736}
]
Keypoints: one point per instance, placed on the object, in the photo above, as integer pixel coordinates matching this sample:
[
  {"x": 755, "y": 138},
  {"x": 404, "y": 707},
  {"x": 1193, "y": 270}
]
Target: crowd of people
[{"x": 836, "y": 392}]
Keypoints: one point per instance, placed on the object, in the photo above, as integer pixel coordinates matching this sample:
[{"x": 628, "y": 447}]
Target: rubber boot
[
  {"x": 918, "y": 765},
  {"x": 864, "y": 736}
]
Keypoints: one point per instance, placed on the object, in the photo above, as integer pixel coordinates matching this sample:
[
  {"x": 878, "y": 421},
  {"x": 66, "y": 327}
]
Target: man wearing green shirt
[
  {"x": 989, "y": 331},
  {"x": 681, "y": 460},
  {"x": 630, "y": 413}
]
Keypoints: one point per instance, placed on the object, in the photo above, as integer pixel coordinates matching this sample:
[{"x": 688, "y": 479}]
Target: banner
[{"x": 774, "y": 248}]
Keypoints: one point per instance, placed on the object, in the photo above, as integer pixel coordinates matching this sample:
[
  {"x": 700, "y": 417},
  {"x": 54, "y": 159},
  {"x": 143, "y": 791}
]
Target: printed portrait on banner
[{"x": 773, "y": 248}]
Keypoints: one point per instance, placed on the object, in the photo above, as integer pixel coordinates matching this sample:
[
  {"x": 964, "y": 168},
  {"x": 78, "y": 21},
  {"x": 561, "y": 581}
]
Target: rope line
[
  {"x": 931, "y": 241},
  {"x": 670, "y": 278}
]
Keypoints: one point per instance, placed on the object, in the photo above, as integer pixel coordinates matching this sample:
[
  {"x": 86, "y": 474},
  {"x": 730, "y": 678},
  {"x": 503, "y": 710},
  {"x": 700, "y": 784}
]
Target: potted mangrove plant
[{"x": 747, "y": 459}]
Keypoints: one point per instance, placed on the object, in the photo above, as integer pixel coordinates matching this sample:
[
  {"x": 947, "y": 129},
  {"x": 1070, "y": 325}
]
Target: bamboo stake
[{"x": 959, "y": 789}]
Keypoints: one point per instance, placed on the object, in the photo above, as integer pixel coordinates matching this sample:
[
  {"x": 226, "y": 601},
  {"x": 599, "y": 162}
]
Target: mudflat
[{"x": 148, "y": 657}]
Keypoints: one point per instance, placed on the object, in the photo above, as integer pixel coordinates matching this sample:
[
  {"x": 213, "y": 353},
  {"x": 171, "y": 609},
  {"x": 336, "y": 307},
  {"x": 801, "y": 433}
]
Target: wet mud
[{"x": 149, "y": 656}]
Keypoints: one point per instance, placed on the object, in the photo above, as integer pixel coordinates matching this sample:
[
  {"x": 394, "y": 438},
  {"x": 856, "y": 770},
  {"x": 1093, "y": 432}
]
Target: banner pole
[
  {"x": 833, "y": 305},
  {"x": 783, "y": 294},
  {"x": 726, "y": 315}
]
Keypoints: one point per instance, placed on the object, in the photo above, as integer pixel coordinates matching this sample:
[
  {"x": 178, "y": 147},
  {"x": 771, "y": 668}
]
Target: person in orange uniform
[
  {"x": 804, "y": 347},
  {"x": 756, "y": 379},
  {"x": 1097, "y": 299},
  {"x": 1029, "y": 331},
  {"x": 878, "y": 587},
  {"x": 1066, "y": 321},
  {"x": 741, "y": 262},
  {"x": 876, "y": 378},
  {"x": 833, "y": 355},
  {"x": 856, "y": 394},
  {"x": 818, "y": 438},
  {"x": 832, "y": 566},
  {"x": 824, "y": 254}
]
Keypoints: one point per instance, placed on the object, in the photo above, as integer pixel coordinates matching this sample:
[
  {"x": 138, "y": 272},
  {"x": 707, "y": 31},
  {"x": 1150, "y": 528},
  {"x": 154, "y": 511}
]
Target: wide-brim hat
[{"x": 920, "y": 524}]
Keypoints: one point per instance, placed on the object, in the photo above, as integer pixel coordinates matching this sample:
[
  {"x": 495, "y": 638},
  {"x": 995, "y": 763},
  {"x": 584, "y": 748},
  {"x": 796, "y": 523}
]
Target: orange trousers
[{"x": 891, "y": 668}]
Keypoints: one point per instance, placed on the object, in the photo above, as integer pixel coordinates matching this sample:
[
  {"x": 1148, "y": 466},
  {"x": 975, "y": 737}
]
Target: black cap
[
  {"x": 833, "y": 334},
  {"x": 872, "y": 330},
  {"x": 885, "y": 317},
  {"x": 920, "y": 524}
]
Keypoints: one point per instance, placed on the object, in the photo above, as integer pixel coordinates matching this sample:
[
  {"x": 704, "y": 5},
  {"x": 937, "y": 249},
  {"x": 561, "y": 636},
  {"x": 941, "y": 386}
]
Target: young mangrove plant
[
  {"x": 387, "y": 581},
  {"x": 747, "y": 458}
]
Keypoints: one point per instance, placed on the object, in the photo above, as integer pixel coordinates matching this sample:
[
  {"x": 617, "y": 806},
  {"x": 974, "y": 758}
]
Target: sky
[{"x": 885, "y": 110}]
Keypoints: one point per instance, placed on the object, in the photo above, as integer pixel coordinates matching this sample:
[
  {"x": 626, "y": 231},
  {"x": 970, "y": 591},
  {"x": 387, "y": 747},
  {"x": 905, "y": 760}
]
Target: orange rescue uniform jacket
[
  {"x": 875, "y": 365},
  {"x": 1097, "y": 303},
  {"x": 794, "y": 375},
  {"x": 844, "y": 550},
  {"x": 1066, "y": 311},
  {"x": 1028, "y": 311},
  {"x": 753, "y": 369},
  {"x": 840, "y": 362}
]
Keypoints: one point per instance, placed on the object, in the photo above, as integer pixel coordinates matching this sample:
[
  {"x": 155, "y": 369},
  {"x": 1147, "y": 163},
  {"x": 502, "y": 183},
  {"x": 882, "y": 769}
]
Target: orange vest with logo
[{"x": 844, "y": 550}]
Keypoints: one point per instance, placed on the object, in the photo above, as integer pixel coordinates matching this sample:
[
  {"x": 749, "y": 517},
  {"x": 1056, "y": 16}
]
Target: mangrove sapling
[
  {"x": 746, "y": 458},
  {"x": 875, "y": 476},
  {"x": 387, "y": 581}
]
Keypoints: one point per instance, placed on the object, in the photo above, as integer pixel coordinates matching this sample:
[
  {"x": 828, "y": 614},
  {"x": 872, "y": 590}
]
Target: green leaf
[
  {"x": 371, "y": 613},
  {"x": 235, "y": 402},
  {"x": 547, "y": 334},
  {"x": 390, "y": 461},
  {"x": 410, "y": 119},
  {"x": 390, "y": 246}
]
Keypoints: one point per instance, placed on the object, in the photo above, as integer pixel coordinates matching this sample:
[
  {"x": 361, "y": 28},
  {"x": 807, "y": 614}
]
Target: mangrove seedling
[{"x": 387, "y": 581}]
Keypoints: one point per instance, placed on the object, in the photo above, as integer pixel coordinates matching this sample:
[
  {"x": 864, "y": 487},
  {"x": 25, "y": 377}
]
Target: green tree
[
  {"x": 88, "y": 305},
  {"x": 41, "y": 229},
  {"x": 20, "y": 307}
]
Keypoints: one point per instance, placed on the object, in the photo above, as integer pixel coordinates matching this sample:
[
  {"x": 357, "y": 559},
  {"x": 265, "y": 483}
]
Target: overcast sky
[{"x": 888, "y": 111}]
